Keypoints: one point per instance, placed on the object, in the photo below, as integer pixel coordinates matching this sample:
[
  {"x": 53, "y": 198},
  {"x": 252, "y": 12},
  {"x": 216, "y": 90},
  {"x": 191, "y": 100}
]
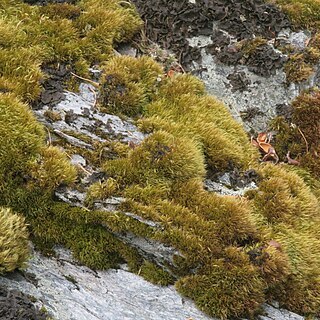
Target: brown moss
[
  {"x": 302, "y": 137},
  {"x": 297, "y": 69},
  {"x": 303, "y": 13}
]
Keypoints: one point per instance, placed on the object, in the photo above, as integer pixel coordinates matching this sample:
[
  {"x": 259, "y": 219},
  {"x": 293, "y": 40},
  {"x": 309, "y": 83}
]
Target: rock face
[
  {"x": 72, "y": 292},
  {"x": 208, "y": 38},
  {"x": 252, "y": 99}
]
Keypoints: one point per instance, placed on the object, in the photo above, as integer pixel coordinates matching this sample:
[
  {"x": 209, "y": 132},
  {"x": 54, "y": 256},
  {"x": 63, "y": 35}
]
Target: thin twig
[
  {"x": 304, "y": 138},
  {"x": 95, "y": 97},
  {"x": 49, "y": 137},
  {"x": 96, "y": 84},
  {"x": 78, "y": 164}
]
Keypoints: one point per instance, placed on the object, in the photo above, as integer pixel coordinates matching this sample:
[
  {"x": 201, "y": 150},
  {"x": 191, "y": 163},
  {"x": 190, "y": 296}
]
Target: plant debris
[{"x": 263, "y": 143}]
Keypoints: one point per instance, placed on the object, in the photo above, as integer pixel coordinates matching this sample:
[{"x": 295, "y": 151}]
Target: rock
[
  {"x": 69, "y": 291},
  {"x": 72, "y": 292},
  {"x": 76, "y": 159},
  {"x": 300, "y": 39},
  {"x": 262, "y": 93},
  {"x": 273, "y": 313}
]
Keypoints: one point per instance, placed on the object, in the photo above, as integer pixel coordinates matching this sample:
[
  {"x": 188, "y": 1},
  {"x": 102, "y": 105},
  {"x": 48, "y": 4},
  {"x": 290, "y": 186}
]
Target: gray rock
[
  {"x": 300, "y": 39},
  {"x": 262, "y": 94},
  {"x": 72, "y": 292},
  {"x": 273, "y": 313},
  {"x": 76, "y": 159},
  {"x": 69, "y": 291}
]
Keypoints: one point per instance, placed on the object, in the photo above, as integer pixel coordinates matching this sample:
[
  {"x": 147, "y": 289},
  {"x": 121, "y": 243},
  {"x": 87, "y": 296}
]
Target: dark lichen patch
[
  {"x": 250, "y": 113},
  {"x": 242, "y": 19},
  {"x": 239, "y": 81},
  {"x": 261, "y": 57},
  {"x": 16, "y": 305}
]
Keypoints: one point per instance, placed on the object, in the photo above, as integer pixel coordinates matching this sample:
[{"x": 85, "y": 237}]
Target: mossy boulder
[{"x": 14, "y": 246}]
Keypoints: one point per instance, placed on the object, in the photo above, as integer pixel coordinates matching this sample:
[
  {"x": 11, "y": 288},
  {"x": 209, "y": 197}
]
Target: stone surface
[
  {"x": 69, "y": 291},
  {"x": 72, "y": 292},
  {"x": 254, "y": 103}
]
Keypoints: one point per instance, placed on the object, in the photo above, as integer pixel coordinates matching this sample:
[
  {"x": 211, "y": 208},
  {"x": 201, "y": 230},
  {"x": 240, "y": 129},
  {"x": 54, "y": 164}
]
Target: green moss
[
  {"x": 154, "y": 274},
  {"x": 22, "y": 138},
  {"x": 249, "y": 47},
  {"x": 228, "y": 290},
  {"x": 101, "y": 190},
  {"x": 52, "y": 168},
  {"x": 289, "y": 212},
  {"x": 301, "y": 137},
  {"x": 128, "y": 84},
  {"x": 14, "y": 247},
  {"x": 33, "y": 36},
  {"x": 165, "y": 158},
  {"x": 207, "y": 121},
  {"x": 303, "y": 13}
]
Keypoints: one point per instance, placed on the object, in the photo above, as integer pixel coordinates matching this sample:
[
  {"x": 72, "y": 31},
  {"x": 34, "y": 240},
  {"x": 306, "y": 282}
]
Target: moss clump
[
  {"x": 207, "y": 121},
  {"x": 14, "y": 247},
  {"x": 52, "y": 168},
  {"x": 22, "y": 138},
  {"x": 303, "y": 13},
  {"x": 301, "y": 137},
  {"x": 284, "y": 197},
  {"x": 242, "y": 283},
  {"x": 154, "y": 274},
  {"x": 289, "y": 212},
  {"x": 165, "y": 157},
  {"x": 128, "y": 84},
  {"x": 297, "y": 69}
]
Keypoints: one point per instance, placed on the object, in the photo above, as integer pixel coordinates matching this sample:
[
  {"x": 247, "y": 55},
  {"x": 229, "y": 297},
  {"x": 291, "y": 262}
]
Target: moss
[
  {"x": 101, "y": 190},
  {"x": 229, "y": 290},
  {"x": 284, "y": 197},
  {"x": 297, "y": 69},
  {"x": 289, "y": 212},
  {"x": 80, "y": 34},
  {"x": 203, "y": 118},
  {"x": 22, "y": 138},
  {"x": 53, "y": 115},
  {"x": 52, "y": 169},
  {"x": 249, "y": 47},
  {"x": 173, "y": 88},
  {"x": 301, "y": 137},
  {"x": 61, "y": 10},
  {"x": 303, "y": 13},
  {"x": 105, "y": 24},
  {"x": 165, "y": 157},
  {"x": 154, "y": 274},
  {"x": 128, "y": 84},
  {"x": 14, "y": 247}
]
